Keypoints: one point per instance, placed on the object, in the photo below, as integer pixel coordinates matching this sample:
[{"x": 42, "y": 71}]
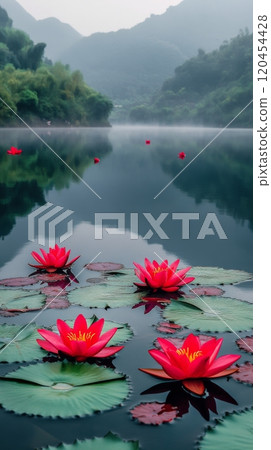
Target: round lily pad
[
  {"x": 19, "y": 299},
  {"x": 18, "y": 343},
  {"x": 104, "y": 296},
  {"x": 234, "y": 431},
  {"x": 154, "y": 413},
  {"x": 109, "y": 442},
  {"x": 18, "y": 282},
  {"x": 125, "y": 277},
  {"x": 216, "y": 275},
  {"x": 104, "y": 266},
  {"x": 62, "y": 389},
  {"x": 214, "y": 314},
  {"x": 246, "y": 344},
  {"x": 59, "y": 302},
  {"x": 207, "y": 291},
  {"x": 245, "y": 373}
]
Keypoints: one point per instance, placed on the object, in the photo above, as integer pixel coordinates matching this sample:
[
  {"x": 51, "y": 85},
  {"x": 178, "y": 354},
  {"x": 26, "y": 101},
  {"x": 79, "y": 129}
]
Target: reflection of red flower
[
  {"x": 81, "y": 342},
  {"x": 162, "y": 276},
  {"x": 191, "y": 362},
  {"x": 14, "y": 151},
  {"x": 55, "y": 259},
  {"x": 179, "y": 400},
  {"x": 182, "y": 155}
]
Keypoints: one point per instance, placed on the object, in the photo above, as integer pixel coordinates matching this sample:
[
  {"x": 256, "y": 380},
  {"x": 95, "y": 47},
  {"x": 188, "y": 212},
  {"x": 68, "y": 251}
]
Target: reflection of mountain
[
  {"x": 24, "y": 178},
  {"x": 225, "y": 178}
]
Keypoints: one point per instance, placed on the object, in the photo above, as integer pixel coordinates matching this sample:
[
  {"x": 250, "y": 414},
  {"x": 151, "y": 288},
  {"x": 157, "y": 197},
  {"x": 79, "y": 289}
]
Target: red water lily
[
  {"x": 81, "y": 342},
  {"x": 14, "y": 151},
  {"x": 191, "y": 361},
  {"x": 162, "y": 276},
  {"x": 55, "y": 259},
  {"x": 96, "y": 160},
  {"x": 182, "y": 155}
]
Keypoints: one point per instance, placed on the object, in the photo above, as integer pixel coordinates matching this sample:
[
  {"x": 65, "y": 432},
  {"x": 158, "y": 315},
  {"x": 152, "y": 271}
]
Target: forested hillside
[
  {"x": 208, "y": 89},
  {"x": 40, "y": 91}
]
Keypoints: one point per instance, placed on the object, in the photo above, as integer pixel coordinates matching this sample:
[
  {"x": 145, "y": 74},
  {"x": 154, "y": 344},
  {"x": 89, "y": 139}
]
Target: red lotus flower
[
  {"x": 55, "y": 259},
  {"x": 182, "y": 155},
  {"x": 148, "y": 142},
  {"x": 163, "y": 276},
  {"x": 14, "y": 151},
  {"x": 81, "y": 342},
  {"x": 192, "y": 361},
  {"x": 96, "y": 160}
]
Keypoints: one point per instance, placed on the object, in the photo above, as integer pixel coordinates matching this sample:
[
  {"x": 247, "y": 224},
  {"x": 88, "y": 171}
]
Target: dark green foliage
[
  {"x": 208, "y": 89},
  {"x": 5, "y": 21},
  {"x": 40, "y": 91}
]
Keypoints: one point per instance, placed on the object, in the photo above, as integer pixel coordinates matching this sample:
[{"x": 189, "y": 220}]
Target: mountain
[
  {"x": 209, "y": 89},
  {"x": 57, "y": 35},
  {"x": 129, "y": 64}
]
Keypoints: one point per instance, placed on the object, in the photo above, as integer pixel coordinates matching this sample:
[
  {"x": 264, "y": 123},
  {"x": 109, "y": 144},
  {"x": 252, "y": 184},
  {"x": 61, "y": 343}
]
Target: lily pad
[
  {"x": 18, "y": 282},
  {"x": 59, "y": 302},
  {"x": 245, "y": 373},
  {"x": 126, "y": 277},
  {"x": 50, "y": 277},
  {"x": 104, "y": 266},
  {"x": 123, "y": 334},
  {"x": 104, "y": 296},
  {"x": 214, "y": 314},
  {"x": 19, "y": 299},
  {"x": 167, "y": 327},
  {"x": 62, "y": 389},
  {"x": 246, "y": 344},
  {"x": 109, "y": 442},
  {"x": 207, "y": 291},
  {"x": 154, "y": 413},
  {"x": 234, "y": 431},
  {"x": 217, "y": 275},
  {"x": 18, "y": 343}
]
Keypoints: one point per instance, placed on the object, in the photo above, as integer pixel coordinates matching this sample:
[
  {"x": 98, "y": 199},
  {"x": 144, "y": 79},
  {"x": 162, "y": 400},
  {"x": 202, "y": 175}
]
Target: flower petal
[
  {"x": 108, "y": 351},
  {"x": 222, "y": 363}
]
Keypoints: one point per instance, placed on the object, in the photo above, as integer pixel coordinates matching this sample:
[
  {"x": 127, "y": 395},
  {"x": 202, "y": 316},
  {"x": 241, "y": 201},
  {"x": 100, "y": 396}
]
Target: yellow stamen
[
  {"x": 159, "y": 269},
  {"x": 81, "y": 337},
  {"x": 190, "y": 356}
]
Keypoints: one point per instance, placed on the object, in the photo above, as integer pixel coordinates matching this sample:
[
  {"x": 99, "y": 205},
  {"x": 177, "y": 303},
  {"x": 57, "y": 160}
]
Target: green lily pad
[
  {"x": 123, "y": 334},
  {"x": 125, "y": 277},
  {"x": 104, "y": 296},
  {"x": 214, "y": 314},
  {"x": 216, "y": 275},
  {"x": 234, "y": 431},
  {"x": 62, "y": 389},
  {"x": 18, "y": 343},
  {"x": 109, "y": 442},
  {"x": 20, "y": 299}
]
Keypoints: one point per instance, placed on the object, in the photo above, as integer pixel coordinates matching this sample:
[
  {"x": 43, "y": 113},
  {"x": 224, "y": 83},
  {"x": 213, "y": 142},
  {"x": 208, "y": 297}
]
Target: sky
[{"x": 90, "y": 16}]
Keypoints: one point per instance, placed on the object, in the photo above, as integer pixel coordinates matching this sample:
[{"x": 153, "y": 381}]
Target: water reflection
[
  {"x": 222, "y": 174},
  {"x": 179, "y": 398},
  {"x": 25, "y": 179},
  {"x": 128, "y": 177}
]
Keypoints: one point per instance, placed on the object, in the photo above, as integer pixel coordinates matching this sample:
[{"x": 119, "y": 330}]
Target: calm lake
[{"x": 129, "y": 184}]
